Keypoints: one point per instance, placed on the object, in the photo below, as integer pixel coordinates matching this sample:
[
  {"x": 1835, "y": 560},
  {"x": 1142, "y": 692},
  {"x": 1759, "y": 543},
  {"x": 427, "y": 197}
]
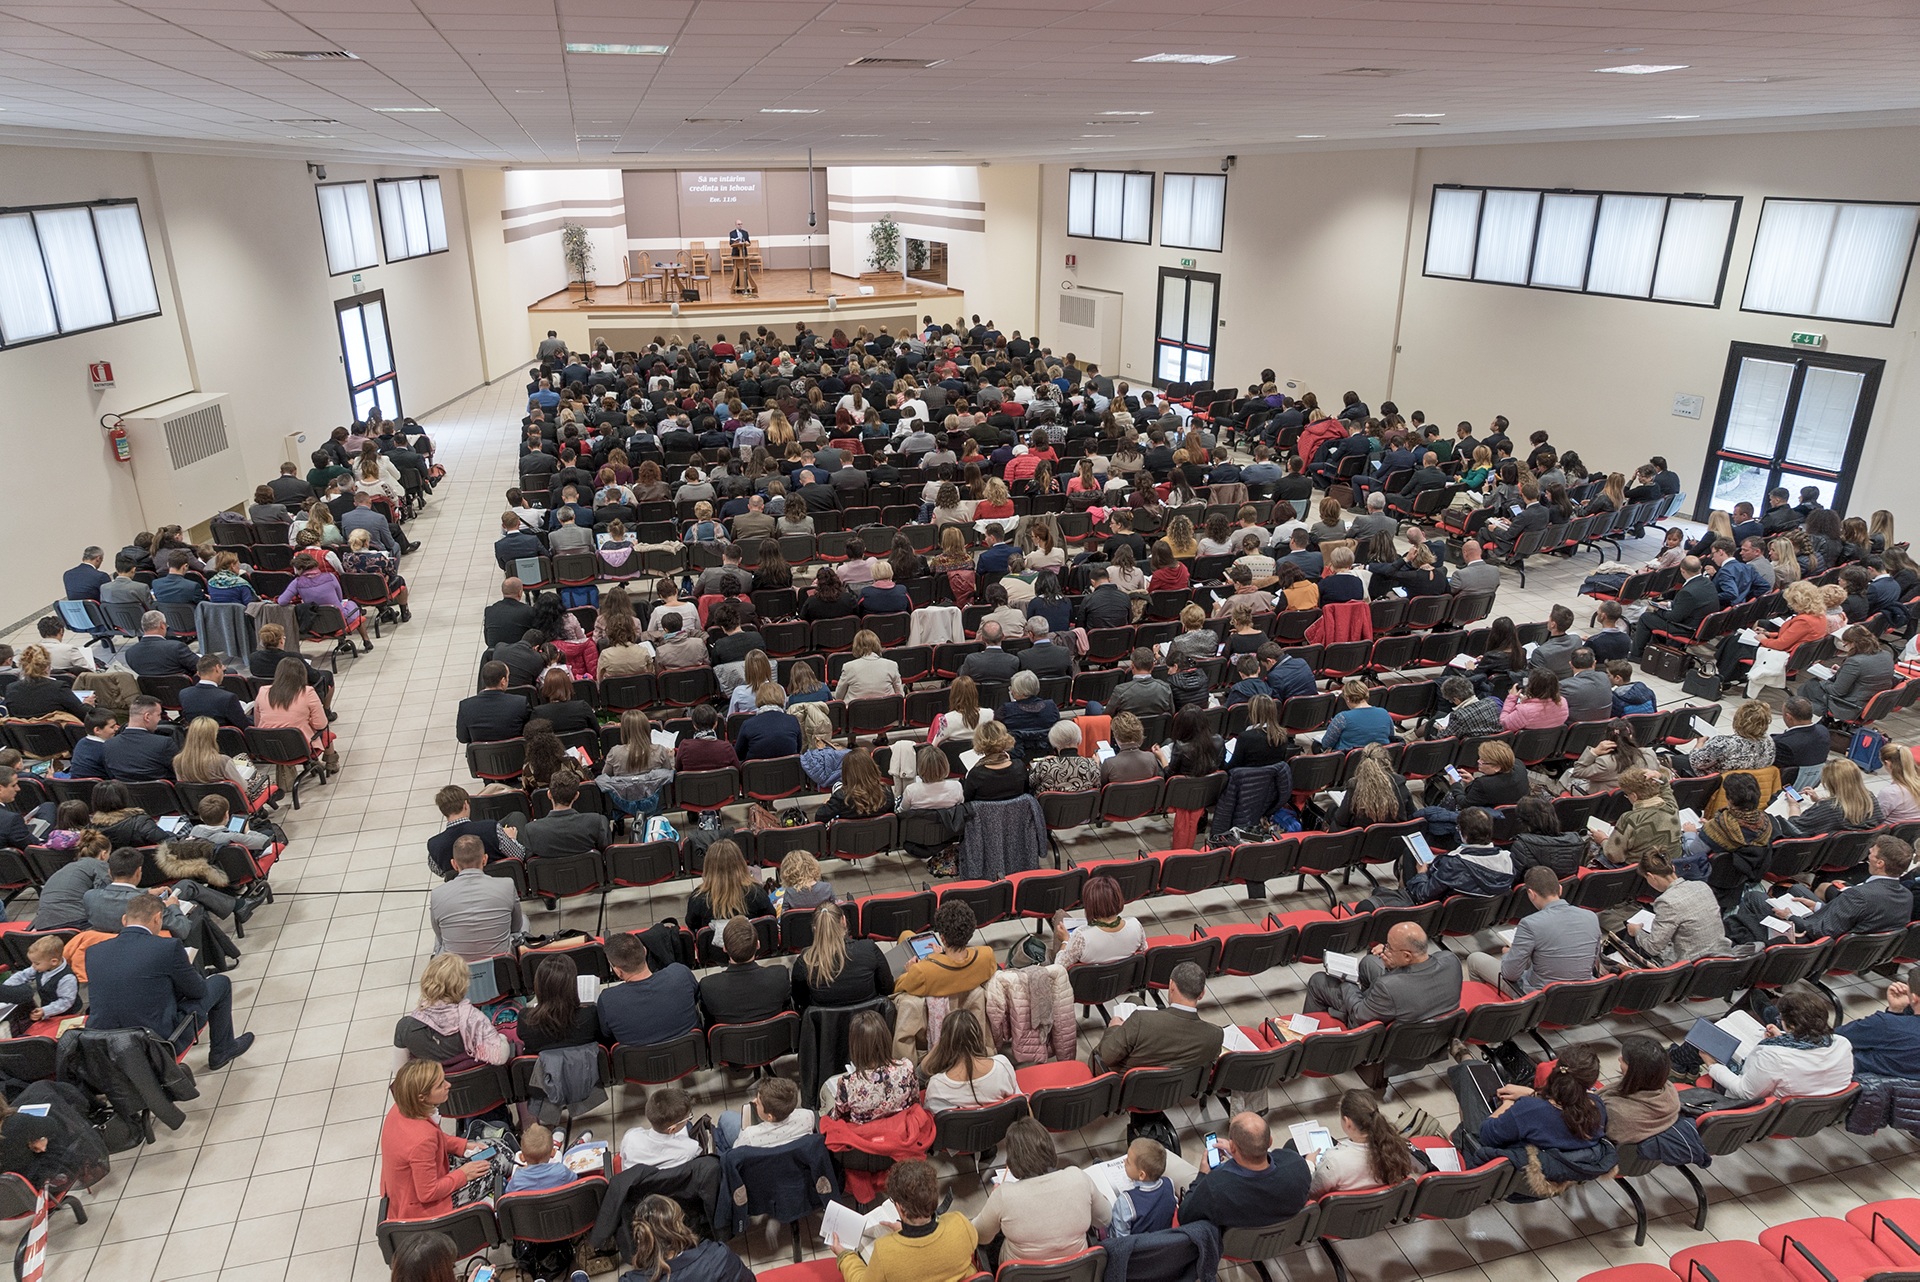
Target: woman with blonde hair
[
  {"x": 1180, "y": 538},
  {"x": 637, "y": 753},
  {"x": 998, "y": 775},
  {"x": 996, "y": 504},
  {"x": 1808, "y": 623},
  {"x": 415, "y": 1152},
  {"x": 1377, "y": 796},
  {"x": 727, "y": 889},
  {"x": 445, "y": 1027},
  {"x": 868, "y": 674},
  {"x": 1749, "y": 747},
  {"x": 838, "y": 971},
  {"x": 758, "y": 672},
  {"x": 1899, "y": 797},
  {"x": 200, "y": 761},
  {"x": 801, "y": 885},
  {"x": 36, "y": 696},
  {"x": 1880, "y": 530},
  {"x": 820, "y": 757},
  {"x": 953, "y": 548},
  {"x": 1844, "y": 804}
]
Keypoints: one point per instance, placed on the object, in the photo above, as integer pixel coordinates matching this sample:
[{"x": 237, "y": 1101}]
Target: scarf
[
  {"x": 1732, "y": 828},
  {"x": 227, "y": 579},
  {"x": 1787, "y": 1041}
]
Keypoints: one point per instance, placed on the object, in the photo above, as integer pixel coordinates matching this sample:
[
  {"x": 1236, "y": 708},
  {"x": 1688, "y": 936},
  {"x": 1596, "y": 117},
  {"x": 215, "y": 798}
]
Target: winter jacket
[
  {"x": 789, "y": 1182},
  {"x": 1002, "y": 838},
  {"x": 1184, "y": 1253},
  {"x": 1251, "y": 795},
  {"x": 1680, "y": 1144},
  {"x": 904, "y": 1136},
  {"x": 824, "y": 1035},
  {"x": 569, "y": 1077},
  {"x": 1469, "y": 870},
  {"x": 695, "y": 1185},
  {"x": 450, "y": 1032},
  {"x": 1341, "y": 621},
  {"x": 1885, "y": 1101},
  {"x": 1030, "y": 1010},
  {"x": 132, "y": 1067},
  {"x": 1563, "y": 852}
]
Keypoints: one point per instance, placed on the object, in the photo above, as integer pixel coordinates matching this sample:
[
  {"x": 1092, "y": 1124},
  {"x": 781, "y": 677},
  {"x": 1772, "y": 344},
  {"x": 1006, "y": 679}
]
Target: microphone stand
[{"x": 810, "y": 220}]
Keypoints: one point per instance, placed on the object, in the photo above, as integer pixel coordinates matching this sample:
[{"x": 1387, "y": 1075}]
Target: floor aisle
[{"x": 280, "y": 1179}]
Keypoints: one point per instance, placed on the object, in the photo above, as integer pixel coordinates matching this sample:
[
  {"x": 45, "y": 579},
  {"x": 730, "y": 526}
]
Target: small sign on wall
[
  {"x": 100, "y": 375},
  {"x": 1687, "y": 405}
]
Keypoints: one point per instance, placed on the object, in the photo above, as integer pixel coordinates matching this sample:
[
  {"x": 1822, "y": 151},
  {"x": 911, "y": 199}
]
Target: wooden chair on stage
[
  {"x": 697, "y": 256},
  {"x": 640, "y": 272}
]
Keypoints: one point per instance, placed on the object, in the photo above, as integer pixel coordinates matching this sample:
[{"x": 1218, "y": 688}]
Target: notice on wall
[{"x": 711, "y": 199}]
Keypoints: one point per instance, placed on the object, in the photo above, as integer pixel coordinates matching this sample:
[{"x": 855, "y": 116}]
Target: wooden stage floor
[{"x": 779, "y": 287}]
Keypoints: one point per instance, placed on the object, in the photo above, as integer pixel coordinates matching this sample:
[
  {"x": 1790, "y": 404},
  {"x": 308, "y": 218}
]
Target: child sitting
[
  {"x": 1146, "y": 1205},
  {"x": 215, "y": 815},
  {"x": 1629, "y": 696},
  {"x": 782, "y": 1119},
  {"x": 47, "y": 990},
  {"x": 663, "y": 1142},
  {"x": 541, "y": 1167}
]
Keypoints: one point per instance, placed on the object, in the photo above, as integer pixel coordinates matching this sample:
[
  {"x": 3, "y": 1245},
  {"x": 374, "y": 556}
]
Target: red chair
[
  {"x": 1823, "y": 1249},
  {"x": 1893, "y": 1226},
  {"x": 1730, "y": 1262}
]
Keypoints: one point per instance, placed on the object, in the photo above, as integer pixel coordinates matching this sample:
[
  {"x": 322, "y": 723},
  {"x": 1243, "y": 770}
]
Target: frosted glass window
[
  {"x": 1506, "y": 236},
  {"x": 1834, "y": 261},
  {"x": 1823, "y": 421},
  {"x": 1566, "y": 234},
  {"x": 1107, "y": 204},
  {"x": 1452, "y": 231},
  {"x": 346, "y": 224},
  {"x": 26, "y": 300},
  {"x": 73, "y": 267},
  {"x": 1759, "y": 399},
  {"x": 1625, "y": 244},
  {"x": 411, "y": 217},
  {"x": 1693, "y": 250},
  {"x": 123, "y": 251},
  {"x": 1193, "y": 211}
]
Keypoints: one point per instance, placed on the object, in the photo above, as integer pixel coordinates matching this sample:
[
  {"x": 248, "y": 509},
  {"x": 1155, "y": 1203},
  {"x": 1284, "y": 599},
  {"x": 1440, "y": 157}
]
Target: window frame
[
  {"x": 1161, "y": 196},
  {"x": 373, "y": 212},
  {"x": 380, "y": 216},
  {"x": 1153, "y": 196},
  {"x": 1187, "y": 276},
  {"x": 46, "y": 267},
  {"x": 1593, "y": 233},
  {"x": 1905, "y": 275}
]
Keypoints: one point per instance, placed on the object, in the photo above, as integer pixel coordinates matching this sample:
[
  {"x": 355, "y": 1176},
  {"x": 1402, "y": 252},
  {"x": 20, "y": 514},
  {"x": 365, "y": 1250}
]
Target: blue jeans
[{"x": 726, "y": 1130}]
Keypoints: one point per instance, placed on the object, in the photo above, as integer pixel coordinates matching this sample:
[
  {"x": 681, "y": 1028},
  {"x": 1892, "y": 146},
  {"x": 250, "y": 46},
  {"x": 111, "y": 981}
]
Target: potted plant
[
  {"x": 883, "y": 239},
  {"x": 578, "y": 251}
]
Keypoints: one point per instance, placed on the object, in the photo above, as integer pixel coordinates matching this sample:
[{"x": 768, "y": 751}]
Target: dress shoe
[{"x": 241, "y": 1045}]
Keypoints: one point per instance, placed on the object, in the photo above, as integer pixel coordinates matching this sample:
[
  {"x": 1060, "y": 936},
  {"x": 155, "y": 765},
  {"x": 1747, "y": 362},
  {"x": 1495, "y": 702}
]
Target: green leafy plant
[
  {"x": 919, "y": 254},
  {"x": 578, "y": 251},
  {"x": 884, "y": 239}
]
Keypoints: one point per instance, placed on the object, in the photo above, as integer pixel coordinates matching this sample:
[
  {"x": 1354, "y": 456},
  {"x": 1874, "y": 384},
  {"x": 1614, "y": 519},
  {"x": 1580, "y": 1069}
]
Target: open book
[
  {"x": 1728, "y": 1040},
  {"x": 855, "y": 1230},
  {"x": 1342, "y": 965}
]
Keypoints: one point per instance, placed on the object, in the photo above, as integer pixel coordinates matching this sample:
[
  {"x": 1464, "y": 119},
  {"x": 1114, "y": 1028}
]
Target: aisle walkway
[{"x": 280, "y": 1181}]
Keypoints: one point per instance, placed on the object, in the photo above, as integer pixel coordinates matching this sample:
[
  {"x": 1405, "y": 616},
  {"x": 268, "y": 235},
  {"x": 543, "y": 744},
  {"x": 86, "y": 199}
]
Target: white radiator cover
[{"x": 186, "y": 460}]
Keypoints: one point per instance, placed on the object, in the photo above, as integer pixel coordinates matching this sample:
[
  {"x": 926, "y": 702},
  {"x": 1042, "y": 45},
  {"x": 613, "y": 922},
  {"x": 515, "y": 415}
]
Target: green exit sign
[
  {"x": 1802, "y": 339},
  {"x": 1187, "y": 262}
]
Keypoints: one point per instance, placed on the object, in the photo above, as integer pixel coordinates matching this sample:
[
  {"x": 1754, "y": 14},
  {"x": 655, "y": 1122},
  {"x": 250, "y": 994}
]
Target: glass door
[
  {"x": 1188, "y": 315},
  {"x": 1787, "y": 418},
  {"x": 366, "y": 350}
]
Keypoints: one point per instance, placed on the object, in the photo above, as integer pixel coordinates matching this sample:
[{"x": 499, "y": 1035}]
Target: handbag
[
  {"x": 1864, "y": 750},
  {"x": 1701, "y": 685},
  {"x": 1664, "y": 662}
]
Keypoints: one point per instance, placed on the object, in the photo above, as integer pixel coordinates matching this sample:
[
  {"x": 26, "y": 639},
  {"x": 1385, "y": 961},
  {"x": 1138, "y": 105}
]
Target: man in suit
[
  {"x": 208, "y": 698},
  {"x": 1733, "y": 579},
  {"x": 1354, "y": 444},
  {"x": 1427, "y": 476},
  {"x": 1696, "y": 599},
  {"x": 1804, "y": 742},
  {"x": 1555, "y": 654},
  {"x": 1476, "y": 573},
  {"x": 123, "y": 588},
  {"x": 1588, "y": 691},
  {"x": 812, "y": 489},
  {"x": 496, "y": 840},
  {"x": 1104, "y": 605},
  {"x": 1142, "y": 694},
  {"x": 290, "y": 486},
  {"x": 570, "y": 536},
  {"x": 83, "y": 581},
  {"x": 1400, "y": 979},
  {"x": 1376, "y": 521},
  {"x": 493, "y": 714},
  {"x": 156, "y": 654},
  {"x": 138, "y": 979},
  {"x": 509, "y": 618},
  {"x": 771, "y": 731},
  {"x": 1044, "y": 658},
  {"x": 524, "y": 661},
  {"x": 992, "y": 663},
  {"x": 1781, "y": 515},
  {"x": 1172, "y": 1038},
  {"x": 564, "y": 830},
  {"x": 176, "y": 586},
  {"x": 474, "y": 916},
  {"x": 383, "y": 533},
  {"x": 744, "y": 991},
  {"x": 1882, "y": 902},
  {"x": 89, "y": 759},
  {"x": 713, "y": 578},
  {"x": 515, "y": 542},
  {"x": 753, "y": 524},
  {"x": 1287, "y": 676},
  {"x": 1555, "y": 942},
  {"x": 1303, "y": 558},
  {"x": 141, "y": 752},
  {"x": 1535, "y": 515}
]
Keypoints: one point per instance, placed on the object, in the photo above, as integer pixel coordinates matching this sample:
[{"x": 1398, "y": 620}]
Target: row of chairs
[{"x": 1875, "y": 1242}]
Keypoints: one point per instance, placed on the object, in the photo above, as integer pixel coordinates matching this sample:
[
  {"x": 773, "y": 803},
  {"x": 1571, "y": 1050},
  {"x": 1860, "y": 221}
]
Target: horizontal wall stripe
[
  {"x": 656, "y": 243},
  {"x": 932, "y": 202},
  {"x": 574, "y": 212},
  {"x": 918, "y": 220},
  {"x": 577, "y": 202},
  {"x": 529, "y": 230}
]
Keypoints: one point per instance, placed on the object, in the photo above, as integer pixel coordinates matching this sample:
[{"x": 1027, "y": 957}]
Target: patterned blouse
[{"x": 862, "y": 1097}]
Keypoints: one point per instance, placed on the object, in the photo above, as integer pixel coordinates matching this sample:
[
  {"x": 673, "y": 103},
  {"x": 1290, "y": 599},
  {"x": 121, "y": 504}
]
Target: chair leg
[
  {"x": 1639, "y": 1209},
  {"x": 1699, "y": 1199},
  {"x": 1333, "y": 1257}
]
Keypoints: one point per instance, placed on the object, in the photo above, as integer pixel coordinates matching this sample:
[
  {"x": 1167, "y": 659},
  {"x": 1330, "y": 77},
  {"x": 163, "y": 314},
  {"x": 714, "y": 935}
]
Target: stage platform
[{"x": 837, "y": 301}]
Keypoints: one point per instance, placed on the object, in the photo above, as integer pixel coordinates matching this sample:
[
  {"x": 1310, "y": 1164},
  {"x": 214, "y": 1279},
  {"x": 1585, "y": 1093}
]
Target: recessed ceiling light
[
  {"x": 1626, "y": 49},
  {"x": 651, "y": 51},
  {"x": 858, "y": 31},
  {"x": 1420, "y": 115},
  {"x": 1097, "y": 135},
  {"x": 1126, "y": 113},
  {"x": 1309, "y": 135},
  {"x": 529, "y": 90},
  {"x": 1204, "y": 59},
  {"x": 295, "y": 137},
  {"x": 1756, "y": 80},
  {"x": 1079, "y": 149},
  {"x": 860, "y": 135},
  {"x": 789, "y": 111},
  {"x": 1644, "y": 68},
  {"x": 1676, "y": 117},
  {"x": 402, "y": 111}
]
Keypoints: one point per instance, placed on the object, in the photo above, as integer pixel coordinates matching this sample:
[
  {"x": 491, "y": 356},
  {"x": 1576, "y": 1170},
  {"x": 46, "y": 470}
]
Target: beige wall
[{"x": 1321, "y": 280}]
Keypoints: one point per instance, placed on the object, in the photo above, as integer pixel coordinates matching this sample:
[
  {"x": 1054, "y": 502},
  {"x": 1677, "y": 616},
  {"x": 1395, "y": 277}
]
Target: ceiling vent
[
  {"x": 303, "y": 55},
  {"x": 899, "y": 64},
  {"x": 1377, "y": 73},
  {"x": 711, "y": 120},
  {"x": 315, "y": 121},
  {"x": 1416, "y": 124}
]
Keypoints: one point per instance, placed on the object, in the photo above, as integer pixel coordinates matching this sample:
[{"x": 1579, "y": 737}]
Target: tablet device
[{"x": 923, "y": 945}]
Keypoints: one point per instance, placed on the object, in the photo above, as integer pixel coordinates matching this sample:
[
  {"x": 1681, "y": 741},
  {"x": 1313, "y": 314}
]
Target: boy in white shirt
[
  {"x": 663, "y": 1142},
  {"x": 783, "y": 1120}
]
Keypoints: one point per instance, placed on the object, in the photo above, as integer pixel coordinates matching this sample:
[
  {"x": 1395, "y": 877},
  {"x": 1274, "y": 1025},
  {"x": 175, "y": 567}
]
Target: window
[
  {"x": 1789, "y": 418},
  {"x": 1193, "y": 211},
  {"x": 65, "y": 269},
  {"x": 1105, "y": 204},
  {"x": 367, "y": 349},
  {"x": 346, "y": 222},
  {"x": 1189, "y": 313},
  {"x": 1845, "y": 262},
  {"x": 412, "y": 221},
  {"x": 1670, "y": 249}
]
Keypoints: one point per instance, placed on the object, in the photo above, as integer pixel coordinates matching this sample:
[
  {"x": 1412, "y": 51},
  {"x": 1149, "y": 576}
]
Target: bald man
[
  {"x": 1400, "y": 979},
  {"x": 1254, "y": 1184}
]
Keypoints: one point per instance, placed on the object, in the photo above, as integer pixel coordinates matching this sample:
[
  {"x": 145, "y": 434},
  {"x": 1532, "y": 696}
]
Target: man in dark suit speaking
[
  {"x": 141, "y": 979},
  {"x": 738, "y": 239}
]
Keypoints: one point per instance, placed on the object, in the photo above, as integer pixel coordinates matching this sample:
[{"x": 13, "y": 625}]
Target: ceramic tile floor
[{"x": 274, "y": 1173}]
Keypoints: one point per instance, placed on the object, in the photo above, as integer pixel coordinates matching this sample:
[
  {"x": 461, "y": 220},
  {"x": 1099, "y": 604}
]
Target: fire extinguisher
[{"x": 117, "y": 437}]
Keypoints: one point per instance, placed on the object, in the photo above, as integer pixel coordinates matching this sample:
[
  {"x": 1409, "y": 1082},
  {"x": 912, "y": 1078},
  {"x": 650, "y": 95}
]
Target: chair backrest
[
  {"x": 551, "y": 1215},
  {"x": 1089, "y": 1265},
  {"x": 473, "y": 1229}
]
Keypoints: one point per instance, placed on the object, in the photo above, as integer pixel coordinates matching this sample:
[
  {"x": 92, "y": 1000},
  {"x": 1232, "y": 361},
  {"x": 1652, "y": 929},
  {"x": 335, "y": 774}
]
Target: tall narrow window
[
  {"x": 1193, "y": 211},
  {"x": 1188, "y": 315},
  {"x": 1108, "y": 204},
  {"x": 65, "y": 269},
  {"x": 346, "y": 224},
  {"x": 412, "y": 220},
  {"x": 1834, "y": 261},
  {"x": 1789, "y": 419},
  {"x": 367, "y": 349}
]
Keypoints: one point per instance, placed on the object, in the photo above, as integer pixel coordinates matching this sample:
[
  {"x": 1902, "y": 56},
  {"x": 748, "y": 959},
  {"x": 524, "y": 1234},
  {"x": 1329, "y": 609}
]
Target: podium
[{"x": 743, "y": 276}]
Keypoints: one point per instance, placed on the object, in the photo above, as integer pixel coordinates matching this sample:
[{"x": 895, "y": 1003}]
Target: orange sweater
[{"x": 1798, "y": 630}]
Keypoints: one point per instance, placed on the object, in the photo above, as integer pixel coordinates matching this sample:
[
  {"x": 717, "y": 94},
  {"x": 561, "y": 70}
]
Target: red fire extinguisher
[{"x": 117, "y": 437}]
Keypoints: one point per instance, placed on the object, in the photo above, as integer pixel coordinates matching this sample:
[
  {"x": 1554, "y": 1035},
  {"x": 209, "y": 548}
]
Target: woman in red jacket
[{"x": 414, "y": 1151}]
